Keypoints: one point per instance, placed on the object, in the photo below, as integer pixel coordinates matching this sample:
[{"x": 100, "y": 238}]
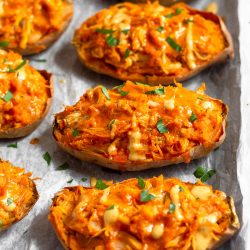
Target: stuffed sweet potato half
[
  {"x": 136, "y": 126},
  {"x": 25, "y": 95},
  {"x": 154, "y": 214},
  {"x": 18, "y": 194},
  {"x": 151, "y": 43},
  {"x": 29, "y": 26}
]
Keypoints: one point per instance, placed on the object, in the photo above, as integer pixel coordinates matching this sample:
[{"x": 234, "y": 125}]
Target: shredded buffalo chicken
[
  {"x": 151, "y": 214},
  {"x": 137, "y": 122},
  {"x": 24, "y": 92},
  {"x": 149, "y": 39},
  {"x": 17, "y": 194}
]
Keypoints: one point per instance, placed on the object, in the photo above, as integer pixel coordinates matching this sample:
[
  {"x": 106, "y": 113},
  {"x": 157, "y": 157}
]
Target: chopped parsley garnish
[
  {"x": 104, "y": 31},
  {"x": 12, "y": 145},
  {"x": 111, "y": 41},
  {"x": 203, "y": 175},
  {"x": 105, "y": 92},
  {"x": 111, "y": 207},
  {"x": 8, "y": 96},
  {"x": 39, "y": 60},
  {"x": 160, "y": 29},
  {"x": 100, "y": 185},
  {"x": 84, "y": 179},
  {"x": 193, "y": 117},
  {"x": 125, "y": 31},
  {"x": 145, "y": 196},
  {"x": 121, "y": 92},
  {"x": 75, "y": 133},
  {"x": 161, "y": 127},
  {"x": 169, "y": 15},
  {"x": 138, "y": 83},
  {"x": 159, "y": 91},
  {"x": 1, "y": 223},
  {"x": 200, "y": 98},
  {"x": 126, "y": 54},
  {"x": 111, "y": 123},
  {"x": 177, "y": 12},
  {"x": 141, "y": 182},
  {"x": 165, "y": 197},
  {"x": 171, "y": 208},
  {"x": 9, "y": 201},
  {"x": 10, "y": 70},
  {"x": 47, "y": 158},
  {"x": 173, "y": 44},
  {"x": 64, "y": 166},
  {"x": 181, "y": 189},
  {"x": 70, "y": 181},
  {"x": 4, "y": 44}
]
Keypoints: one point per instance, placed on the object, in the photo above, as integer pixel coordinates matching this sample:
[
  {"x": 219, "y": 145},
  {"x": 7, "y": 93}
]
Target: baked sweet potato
[
  {"x": 136, "y": 126},
  {"x": 151, "y": 43},
  {"x": 154, "y": 214},
  {"x": 29, "y": 27},
  {"x": 18, "y": 194},
  {"x": 25, "y": 95}
]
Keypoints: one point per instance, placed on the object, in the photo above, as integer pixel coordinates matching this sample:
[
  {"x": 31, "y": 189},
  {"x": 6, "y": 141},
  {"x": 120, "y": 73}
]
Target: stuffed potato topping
[
  {"x": 136, "y": 126},
  {"x": 154, "y": 214},
  {"x": 25, "y": 95},
  {"x": 151, "y": 43},
  {"x": 18, "y": 194},
  {"x": 30, "y": 26}
]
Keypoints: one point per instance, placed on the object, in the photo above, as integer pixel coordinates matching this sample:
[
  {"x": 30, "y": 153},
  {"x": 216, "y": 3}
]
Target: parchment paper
[{"x": 71, "y": 81}]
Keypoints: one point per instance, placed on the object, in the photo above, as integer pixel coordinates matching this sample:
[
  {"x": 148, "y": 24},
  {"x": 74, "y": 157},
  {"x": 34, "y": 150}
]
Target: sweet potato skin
[
  {"x": 24, "y": 131},
  {"x": 228, "y": 52}
]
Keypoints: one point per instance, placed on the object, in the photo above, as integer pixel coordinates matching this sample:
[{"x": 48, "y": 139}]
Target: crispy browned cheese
[
  {"x": 136, "y": 126},
  {"x": 18, "y": 194},
  {"x": 25, "y": 95},
  {"x": 29, "y": 26},
  {"x": 151, "y": 43},
  {"x": 152, "y": 214}
]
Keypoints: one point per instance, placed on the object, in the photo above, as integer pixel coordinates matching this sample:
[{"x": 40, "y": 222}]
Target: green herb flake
[
  {"x": 47, "y": 158},
  {"x": 100, "y": 185},
  {"x": 105, "y": 92},
  {"x": 75, "y": 133},
  {"x": 111, "y": 207},
  {"x": 9, "y": 201},
  {"x": 125, "y": 31},
  {"x": 64, "y": 166},
  {"x": 160, "y": 29},
  {"x": 12, "y": 145},
  {"x": 111, "y": 41},
  {"x": 193, "y": 117},
  {"x": 17, "y": 67},
  {"x": 4, "y": 44},
  {"x": 39, "y": 60},
  {"x": 104, "y": 31},
  {"x": 173, "y": 44},
  {"x": 165, "y": 198},
  {"x": 161, "y": 127},
  {"x": 121, "y": 92},
  {"x": 181, "y": 189},
  {"x": 1, "y": 223},
  {"x": 8, "y": 96},
  {"x": 126, "y": 54},
  {"x": 141, "y": 182},
  {"x": 145, "y": 196},
  {"x": 84, "y": 179},
  {"x": 203, "y": 175},
  {"x": 178, "y": 11},
  {"x": 141, "y": 83},
  {"x": 200, "y": 98},
  {"x": 169, "y": 15},
  {"x": 70, "y": 181},
  {"x": 159, "y": 91},
  {"x": 171, "y": 208},
  {"x": 111, "y": 123}
]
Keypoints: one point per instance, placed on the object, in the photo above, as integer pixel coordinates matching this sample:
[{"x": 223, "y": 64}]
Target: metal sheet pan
[{"x": 71, "y": 80}]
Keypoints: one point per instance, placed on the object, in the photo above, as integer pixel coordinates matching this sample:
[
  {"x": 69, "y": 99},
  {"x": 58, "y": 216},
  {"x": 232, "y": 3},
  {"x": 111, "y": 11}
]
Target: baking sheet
[{"x": 71, "y": 81}]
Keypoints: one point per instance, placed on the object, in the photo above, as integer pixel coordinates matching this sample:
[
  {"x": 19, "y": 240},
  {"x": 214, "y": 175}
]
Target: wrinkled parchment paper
[{"x": 71, "y": 80}]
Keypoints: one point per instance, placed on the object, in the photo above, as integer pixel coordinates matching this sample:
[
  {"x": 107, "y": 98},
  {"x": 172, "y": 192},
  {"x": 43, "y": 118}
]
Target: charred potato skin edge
[
  {"x": 228, "y": 52},
  {"x": 23, "y": 131},
  {"x": 195, "y": 153},
  {"x": 231, "y": 230}
]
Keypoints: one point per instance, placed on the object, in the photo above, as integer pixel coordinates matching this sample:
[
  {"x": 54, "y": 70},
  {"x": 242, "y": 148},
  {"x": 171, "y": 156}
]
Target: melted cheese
[
  {"x": 190, "y": 47},
  {"x": 174, "y": 194}
]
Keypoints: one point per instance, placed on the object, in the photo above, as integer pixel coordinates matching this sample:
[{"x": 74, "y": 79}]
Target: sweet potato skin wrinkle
[
  {"x": 25, "y": 95},
  {"x": 31, "y": 26},
  {"x": 18, "y": 194},
  {"x": 151, "y": 43},
  {"x": 178, "y": 215},
  {"x": 136, "y": 126}
]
